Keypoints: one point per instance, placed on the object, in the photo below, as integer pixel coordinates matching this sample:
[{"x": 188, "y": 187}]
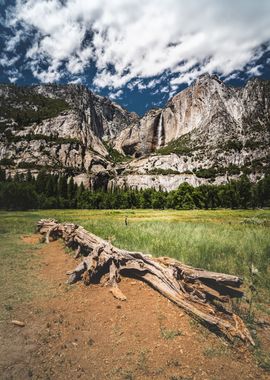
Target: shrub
[
  {"x": 7, "y": 162},
  {"x": 114, "y": 155},
  {"x": 233, "y": 145},
  {"x": 206, "y": 173},
  {"x": 180, "y": 146},
  {"x": 159, "y": 171}
]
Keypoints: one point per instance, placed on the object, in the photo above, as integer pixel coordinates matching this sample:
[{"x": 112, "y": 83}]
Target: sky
[{"x": 139, "y": 53}]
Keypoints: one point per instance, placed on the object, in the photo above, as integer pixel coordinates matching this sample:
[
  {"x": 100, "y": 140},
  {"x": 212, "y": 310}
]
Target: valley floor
[{"x": 83, "y": 332}]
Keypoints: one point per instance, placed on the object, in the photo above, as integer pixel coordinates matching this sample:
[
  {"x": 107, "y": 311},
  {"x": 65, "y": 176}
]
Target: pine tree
[
  {"x": 2, "y": 175},
  {"x": 62, "y": 187},
  {"x": 41, "y": 181},
  {"x": 29, "y": 177}
]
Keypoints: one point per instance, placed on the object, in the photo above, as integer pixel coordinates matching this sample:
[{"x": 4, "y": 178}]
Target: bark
[{"x": 204, "y": 295}]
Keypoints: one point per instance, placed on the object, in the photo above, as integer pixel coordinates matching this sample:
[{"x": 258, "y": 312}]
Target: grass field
[{"x": 219, "y": 240}]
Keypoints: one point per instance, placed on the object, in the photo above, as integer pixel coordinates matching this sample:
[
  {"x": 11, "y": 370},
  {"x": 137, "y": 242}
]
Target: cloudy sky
[{"x": 139, "y": 53}]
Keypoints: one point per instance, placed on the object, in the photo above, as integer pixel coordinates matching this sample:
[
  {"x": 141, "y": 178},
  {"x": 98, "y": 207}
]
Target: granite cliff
[{"x": 210, "y": 132}]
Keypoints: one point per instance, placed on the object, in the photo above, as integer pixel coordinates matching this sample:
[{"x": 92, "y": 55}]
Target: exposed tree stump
[{"x": 202, "y": 294}]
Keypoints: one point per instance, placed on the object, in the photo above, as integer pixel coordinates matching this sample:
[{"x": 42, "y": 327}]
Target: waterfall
[{"x": 159, "y": 131}]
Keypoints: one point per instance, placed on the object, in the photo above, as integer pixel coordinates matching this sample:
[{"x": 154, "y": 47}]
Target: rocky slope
[
  {"x": 62, "y": 128},
  {"x": 207, "y": 133}
]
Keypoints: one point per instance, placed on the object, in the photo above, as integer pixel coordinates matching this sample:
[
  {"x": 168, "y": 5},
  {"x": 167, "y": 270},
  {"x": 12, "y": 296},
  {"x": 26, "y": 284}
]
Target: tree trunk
[{"x": 202, "y": 294}]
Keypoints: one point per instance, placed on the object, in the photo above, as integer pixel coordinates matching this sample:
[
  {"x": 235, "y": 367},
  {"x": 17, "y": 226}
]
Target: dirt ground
[{"x": 83, "y": 332}]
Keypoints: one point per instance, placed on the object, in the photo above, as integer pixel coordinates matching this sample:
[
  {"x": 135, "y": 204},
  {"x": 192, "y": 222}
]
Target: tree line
[{"x": 53, "y": 191}]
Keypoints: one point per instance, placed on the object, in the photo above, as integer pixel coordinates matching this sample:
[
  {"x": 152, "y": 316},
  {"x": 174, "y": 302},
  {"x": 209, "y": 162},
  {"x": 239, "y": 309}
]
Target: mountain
[
  {"x": 209, "y": 132},
  {"x": 62, "y": 128}
]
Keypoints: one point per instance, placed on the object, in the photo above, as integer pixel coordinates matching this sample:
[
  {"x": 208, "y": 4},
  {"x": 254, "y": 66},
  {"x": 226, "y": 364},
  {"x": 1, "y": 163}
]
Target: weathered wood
[{"x": 202, "y": 294}]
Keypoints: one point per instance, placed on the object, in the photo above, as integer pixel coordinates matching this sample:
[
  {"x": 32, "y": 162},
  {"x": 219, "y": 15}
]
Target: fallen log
[{"x": 202, "y": 294}]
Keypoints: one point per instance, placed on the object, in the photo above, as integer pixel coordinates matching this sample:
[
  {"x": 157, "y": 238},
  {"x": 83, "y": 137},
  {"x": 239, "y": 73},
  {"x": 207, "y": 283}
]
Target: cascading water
[{"x": 160, "y": 131}]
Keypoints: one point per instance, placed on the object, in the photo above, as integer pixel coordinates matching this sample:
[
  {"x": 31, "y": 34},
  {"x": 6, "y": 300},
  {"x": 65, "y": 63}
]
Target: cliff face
[
  {"x": 207, "y": 133},
  {"x": 62, "y": 128},
  {"x": 208, "y": 108}
]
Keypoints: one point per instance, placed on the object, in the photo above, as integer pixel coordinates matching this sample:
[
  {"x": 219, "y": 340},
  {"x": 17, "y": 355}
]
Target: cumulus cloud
[
  {"x": 5, "y": 61},
  {"x": 255, "y": 71},
  {"x": 116, "y": 95},
  {"x": 131, "y": 39},
  {"x": 13, "y": 75}
]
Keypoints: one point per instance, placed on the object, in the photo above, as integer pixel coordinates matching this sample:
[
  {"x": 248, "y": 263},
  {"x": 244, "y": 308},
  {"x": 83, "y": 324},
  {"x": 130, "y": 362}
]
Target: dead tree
[{"x": 202, "y": 294}]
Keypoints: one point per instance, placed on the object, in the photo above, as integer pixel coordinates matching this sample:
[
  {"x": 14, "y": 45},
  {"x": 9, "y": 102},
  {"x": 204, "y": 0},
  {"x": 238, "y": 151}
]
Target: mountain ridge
[{"x": 207, "y": 133}]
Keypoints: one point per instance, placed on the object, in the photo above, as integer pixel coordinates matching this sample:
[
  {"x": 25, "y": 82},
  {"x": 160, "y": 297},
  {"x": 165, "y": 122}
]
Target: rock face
[
  {"x": 207, "y": 133},
  {"x": 102, "y": 116},
  {"x": 62, "y": 128},
  {"x": 208, "y": 107}
]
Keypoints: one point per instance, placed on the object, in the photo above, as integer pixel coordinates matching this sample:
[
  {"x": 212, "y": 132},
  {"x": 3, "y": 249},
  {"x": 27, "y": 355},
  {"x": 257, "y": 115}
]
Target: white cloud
[
  {"x": 5, "y": 61},
  {"x": 14, "y": 41},
  {"x": 76, "y": 81},
  {"x": 234, "y": 75},
  {"x": 142, "y": 40},
  {"x": 116, "y": 95},
  {"x": 13, "y": 75},
  {"x": 255, "y": 71}
]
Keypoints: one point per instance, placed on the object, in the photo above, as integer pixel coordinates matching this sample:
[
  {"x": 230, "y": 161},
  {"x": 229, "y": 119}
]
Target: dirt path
[{"x": 83, "y": 332}]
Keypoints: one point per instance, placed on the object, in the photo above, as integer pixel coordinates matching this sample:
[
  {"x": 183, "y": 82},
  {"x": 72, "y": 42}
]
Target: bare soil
[{"x": 80, "y": 332}]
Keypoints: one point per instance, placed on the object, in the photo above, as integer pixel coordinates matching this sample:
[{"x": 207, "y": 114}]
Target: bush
[
  {"x": 233, "y": 145},
  {"x": 7, "y": 162},
  {"x": 252, "y": 144},
  {"x": 206, "y": 173},
  {"x": 159, "y": 171},
  {"x": 180, "y": 146},
  {"x": 114, "y": 155}
]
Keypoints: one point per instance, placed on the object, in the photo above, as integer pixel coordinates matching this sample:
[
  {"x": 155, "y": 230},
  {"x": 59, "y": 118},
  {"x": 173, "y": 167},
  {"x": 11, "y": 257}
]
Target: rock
[
  {"x": 215, "y": 111},
  {"x": 18, "y": 323},
  {"x": 208, "y": 133},
  {"x": 72, "y": 139}
]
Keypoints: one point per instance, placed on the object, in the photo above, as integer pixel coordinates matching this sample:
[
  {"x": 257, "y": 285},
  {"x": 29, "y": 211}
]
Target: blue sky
[{"x": 137, "y": 53}]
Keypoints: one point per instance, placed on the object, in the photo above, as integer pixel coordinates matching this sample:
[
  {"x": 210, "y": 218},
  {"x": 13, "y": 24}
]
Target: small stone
[
  {"x": 18, "y": 323},
  {"x": 90, "y": 342}
]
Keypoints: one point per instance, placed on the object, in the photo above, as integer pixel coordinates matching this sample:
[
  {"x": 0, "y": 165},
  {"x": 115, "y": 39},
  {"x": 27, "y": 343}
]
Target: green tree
[
  {"x": 18, "y": 196},
  {"x": 158, "y": 200},
  {"x": 62, "y": 187},
  {"x": 71, "y": 192},
  {"x": 2, "y": 175},
  {"x": 244, "y": 189},
  {"x": 41, "y": 181}
]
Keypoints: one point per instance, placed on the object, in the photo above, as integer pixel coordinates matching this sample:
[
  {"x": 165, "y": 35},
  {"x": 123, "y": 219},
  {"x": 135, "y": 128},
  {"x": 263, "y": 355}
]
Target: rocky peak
[
  {"x": 105, "y": 117},
  {"x": 208, "y": 104},
  {"x": 62, "y": 127},
  {"x": 210, "y": 132}
]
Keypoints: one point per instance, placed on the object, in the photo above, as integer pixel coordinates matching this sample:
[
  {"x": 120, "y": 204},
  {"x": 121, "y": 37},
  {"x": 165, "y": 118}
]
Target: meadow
[{"x": 219, "y": 240}]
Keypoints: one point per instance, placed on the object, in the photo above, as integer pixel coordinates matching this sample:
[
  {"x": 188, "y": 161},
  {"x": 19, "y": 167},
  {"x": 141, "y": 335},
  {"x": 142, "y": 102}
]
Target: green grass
[
  {"x": 218, "y": 240},
  {"x": 18, "y": 264},
  {"x": 170, "y": 334}
]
